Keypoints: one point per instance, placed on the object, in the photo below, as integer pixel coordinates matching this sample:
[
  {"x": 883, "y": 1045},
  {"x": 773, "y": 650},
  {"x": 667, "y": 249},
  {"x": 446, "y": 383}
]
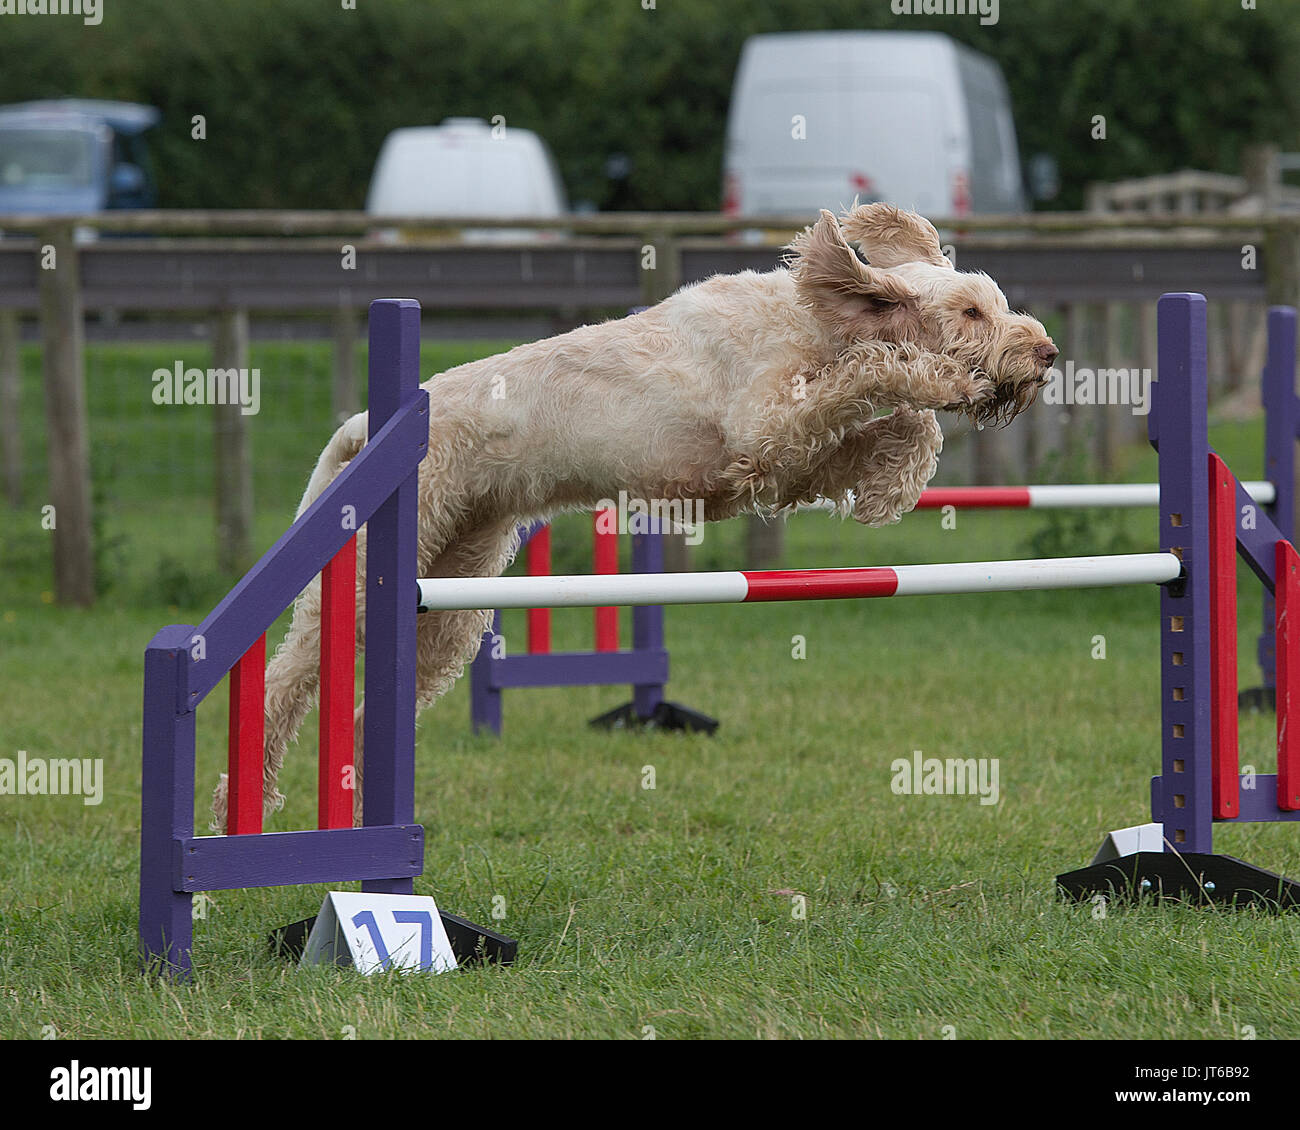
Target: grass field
[{"x": 671, "y": 911}]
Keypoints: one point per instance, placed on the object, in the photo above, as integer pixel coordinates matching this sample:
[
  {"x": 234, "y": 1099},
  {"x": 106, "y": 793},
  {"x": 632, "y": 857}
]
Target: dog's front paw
[
  {"x": 875, "y": 510},
  {"x": 904, "y": 456},
  {"x": 969, "y": 389}
]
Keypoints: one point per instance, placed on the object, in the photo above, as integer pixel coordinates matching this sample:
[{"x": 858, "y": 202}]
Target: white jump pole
[
  {"x": 1066, "y": 496},
  {"x": 444, "y": 593}
]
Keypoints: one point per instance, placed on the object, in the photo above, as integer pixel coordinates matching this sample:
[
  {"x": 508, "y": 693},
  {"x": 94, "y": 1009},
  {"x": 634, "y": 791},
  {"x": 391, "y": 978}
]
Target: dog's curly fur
[{"x": 747, "y": 392}]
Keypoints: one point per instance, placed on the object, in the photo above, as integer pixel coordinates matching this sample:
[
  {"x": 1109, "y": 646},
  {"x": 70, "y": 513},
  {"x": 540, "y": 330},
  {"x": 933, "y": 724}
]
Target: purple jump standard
[
  {"x": 1174, "y": 854},
  {"x": 183, "y": 664}
]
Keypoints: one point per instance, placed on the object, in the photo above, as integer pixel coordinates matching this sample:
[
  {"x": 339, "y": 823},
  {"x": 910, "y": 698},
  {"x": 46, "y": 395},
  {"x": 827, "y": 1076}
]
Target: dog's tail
[{"x": 342, "y": 448}]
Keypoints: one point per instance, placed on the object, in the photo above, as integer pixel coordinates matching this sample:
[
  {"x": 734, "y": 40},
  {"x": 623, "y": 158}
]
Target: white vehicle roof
[
  {"x": 845, "y": 55},
  {"x": 459, "y": 168}
]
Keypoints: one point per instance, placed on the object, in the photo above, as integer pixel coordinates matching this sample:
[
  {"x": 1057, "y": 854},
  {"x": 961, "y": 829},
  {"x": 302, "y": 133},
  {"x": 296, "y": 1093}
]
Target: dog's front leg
[
  {"x": 889, "y": 463},
  {"x": 878, "y": 374}
]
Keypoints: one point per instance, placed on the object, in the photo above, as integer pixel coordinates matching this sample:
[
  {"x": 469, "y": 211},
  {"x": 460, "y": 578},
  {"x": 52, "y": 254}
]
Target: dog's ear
[
  {"x": 833, "y": 282},
  {"x": 889, "y": 236}
]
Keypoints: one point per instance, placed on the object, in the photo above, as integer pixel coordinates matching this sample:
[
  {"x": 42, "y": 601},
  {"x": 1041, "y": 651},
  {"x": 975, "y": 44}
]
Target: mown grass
[{"x": 675, "y": 908}]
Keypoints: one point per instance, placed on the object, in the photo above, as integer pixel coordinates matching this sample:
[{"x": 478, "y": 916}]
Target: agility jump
[
  {"x": 1202, "y": 511},
  {"x": 741, "y": 587}
]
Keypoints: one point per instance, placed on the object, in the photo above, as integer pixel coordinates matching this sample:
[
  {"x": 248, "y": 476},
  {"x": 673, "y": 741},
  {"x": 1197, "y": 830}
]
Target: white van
[
  {"x": 911, "y": 117},
  {"x": 460, "y": 168}
]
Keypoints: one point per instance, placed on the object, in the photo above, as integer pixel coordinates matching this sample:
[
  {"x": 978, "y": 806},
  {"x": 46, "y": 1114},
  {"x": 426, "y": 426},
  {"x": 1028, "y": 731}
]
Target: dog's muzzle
[{"x": 1007, "y": 402}]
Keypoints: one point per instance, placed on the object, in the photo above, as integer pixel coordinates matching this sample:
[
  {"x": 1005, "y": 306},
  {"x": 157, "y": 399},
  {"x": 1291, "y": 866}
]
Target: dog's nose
[{"x": 1046, "y": 352}]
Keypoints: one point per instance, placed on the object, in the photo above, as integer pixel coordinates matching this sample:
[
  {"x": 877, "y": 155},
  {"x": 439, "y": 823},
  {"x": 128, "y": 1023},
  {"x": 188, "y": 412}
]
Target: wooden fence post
[
  {"x": 764, "y": 542},
  {"x": 1239, "y": 319},
  {"x": 1147, "y": 350},
  {"x": 11, "y": 402},
  {"x": 63, "y": 346},
  {"x": 1076, "y": 350},
  {"x": 1113, "y": 354},
  {"x": 656, "y": 285},
  {"x": 233, "y": 464},
  {"x": 985, "y": 459},
  {"x": 344, "y": 401},
  {"x": 1282, "y": 263},
  {"x": 1259, "y": 166}
]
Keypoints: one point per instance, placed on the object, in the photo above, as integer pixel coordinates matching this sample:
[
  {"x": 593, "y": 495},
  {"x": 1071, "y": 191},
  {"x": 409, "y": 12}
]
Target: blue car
[{"x": 75, "y": 156}]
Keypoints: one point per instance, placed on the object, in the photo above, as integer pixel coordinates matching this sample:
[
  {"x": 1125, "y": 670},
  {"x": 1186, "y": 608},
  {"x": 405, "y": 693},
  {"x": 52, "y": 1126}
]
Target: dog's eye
[{"x": 972, "y": 312}]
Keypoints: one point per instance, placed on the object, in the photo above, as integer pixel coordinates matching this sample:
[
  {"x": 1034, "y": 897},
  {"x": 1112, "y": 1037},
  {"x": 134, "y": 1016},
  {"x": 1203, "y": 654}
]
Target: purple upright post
[
  {"x": 647, "y": 620},
  {"x": 1281, "y": 430},
  {"x": 484, "y": 694},
  {"x": 1181, "y": 796},
  {"x": 389, "y": 728},
  {"x": 167, "y": 801}
]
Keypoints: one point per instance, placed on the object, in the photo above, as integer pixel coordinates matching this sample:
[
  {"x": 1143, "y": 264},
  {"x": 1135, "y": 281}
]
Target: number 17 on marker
[{"x": 420, "y": 940}]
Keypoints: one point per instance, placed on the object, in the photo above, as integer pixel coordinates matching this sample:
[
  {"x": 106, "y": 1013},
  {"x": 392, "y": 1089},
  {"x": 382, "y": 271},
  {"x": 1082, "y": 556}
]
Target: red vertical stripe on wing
[
  {"x": 605, "y": 560},
  {"x": 338, "y": 659},
  {"x": 1223, "y": 640},
  {"x": 538, "y": 554},
  {"x": 244, "y": 742}
]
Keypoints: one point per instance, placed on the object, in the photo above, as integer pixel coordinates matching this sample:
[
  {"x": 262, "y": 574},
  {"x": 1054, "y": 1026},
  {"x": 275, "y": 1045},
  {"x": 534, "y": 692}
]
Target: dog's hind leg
[{"x": 446, "y": 641}]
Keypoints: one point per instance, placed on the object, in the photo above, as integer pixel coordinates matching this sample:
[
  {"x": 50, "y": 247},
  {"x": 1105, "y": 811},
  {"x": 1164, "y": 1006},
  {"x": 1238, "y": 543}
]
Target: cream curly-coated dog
[{"x": 745, "y": 392}]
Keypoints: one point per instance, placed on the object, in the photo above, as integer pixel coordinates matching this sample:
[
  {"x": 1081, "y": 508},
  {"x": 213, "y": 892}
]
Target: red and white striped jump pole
[
  {"x": 1063, "y": 496},
  {"x": 796, "y": 584}
]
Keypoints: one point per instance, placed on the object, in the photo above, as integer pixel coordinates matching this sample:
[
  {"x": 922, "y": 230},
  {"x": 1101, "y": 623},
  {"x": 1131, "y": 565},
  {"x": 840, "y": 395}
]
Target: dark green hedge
[{"x": 298, "y": 94}]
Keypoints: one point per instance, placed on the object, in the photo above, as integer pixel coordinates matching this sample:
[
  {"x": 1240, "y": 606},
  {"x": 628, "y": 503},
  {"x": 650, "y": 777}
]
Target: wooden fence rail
[{"x": 1095, "y": 276}]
